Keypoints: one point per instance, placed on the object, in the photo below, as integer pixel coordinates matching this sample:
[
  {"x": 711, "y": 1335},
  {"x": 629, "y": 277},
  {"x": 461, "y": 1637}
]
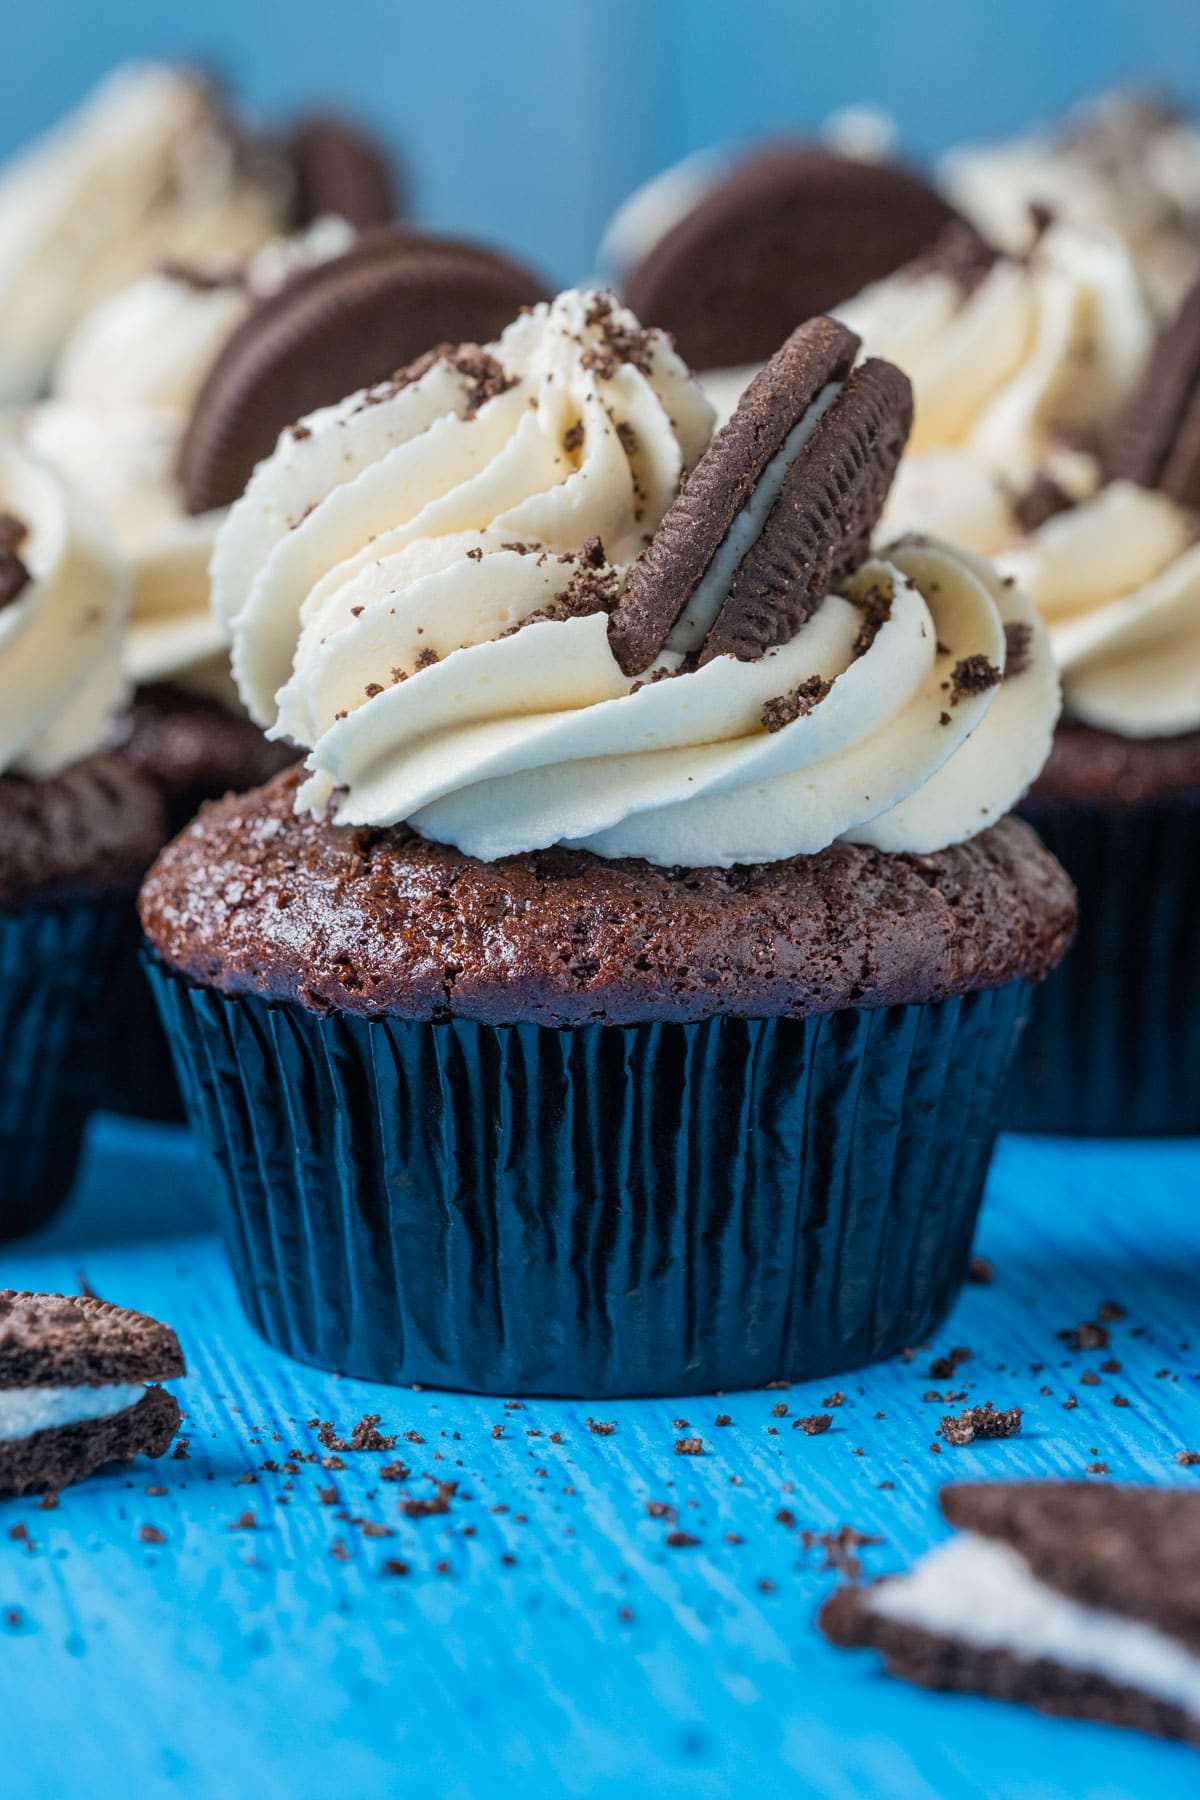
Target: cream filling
[
  {"x": 980, "y": 1592},
  {"x": 23, "y": 1411}
]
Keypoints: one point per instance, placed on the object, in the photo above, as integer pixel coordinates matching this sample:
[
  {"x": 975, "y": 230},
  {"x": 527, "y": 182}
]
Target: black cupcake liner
[
  {"x": 56, "y": 968},
  {"x": 1113, "y": 1047},
  {"x": 657, "y": 1209}
]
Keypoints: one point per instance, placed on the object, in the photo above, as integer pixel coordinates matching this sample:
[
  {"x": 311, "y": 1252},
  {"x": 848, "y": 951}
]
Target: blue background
[{"x": 528, "y": 120}]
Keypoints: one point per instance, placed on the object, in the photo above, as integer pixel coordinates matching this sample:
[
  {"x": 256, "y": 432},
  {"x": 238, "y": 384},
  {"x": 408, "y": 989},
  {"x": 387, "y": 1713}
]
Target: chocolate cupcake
[
  {"x": 77, "y": 827},
  {"x": 1115, "y": 1043},
  {"x": 620, "y": 998},
  {"x": 163, "y": 400}
]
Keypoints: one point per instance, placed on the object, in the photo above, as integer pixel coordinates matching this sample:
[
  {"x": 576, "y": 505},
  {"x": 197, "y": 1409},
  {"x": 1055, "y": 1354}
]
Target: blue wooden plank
[{"x": 282, "y": 1660}]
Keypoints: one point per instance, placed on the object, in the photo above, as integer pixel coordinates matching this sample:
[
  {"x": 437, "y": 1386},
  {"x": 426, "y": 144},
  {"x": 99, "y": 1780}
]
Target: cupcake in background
[
  {"x": 77, "y": 826},
  {"x": 620, "y": 998},
  {"x": 1114, "y": 1045},
  {"x": 729, "y": 252},
  {"x": 128, "y": 422},
  {"x": 1123, "y": 161},
  {"x": 154, "y": 168},
  {"x": 1021, "y": 366}
]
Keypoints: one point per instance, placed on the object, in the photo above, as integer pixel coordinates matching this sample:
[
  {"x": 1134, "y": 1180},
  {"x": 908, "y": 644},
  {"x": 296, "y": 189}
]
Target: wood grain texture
[{"x": 282, "y": 1660}]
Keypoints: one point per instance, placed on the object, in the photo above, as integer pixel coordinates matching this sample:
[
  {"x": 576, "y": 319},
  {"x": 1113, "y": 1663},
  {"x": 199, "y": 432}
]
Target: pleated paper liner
[
  {"x": 1113, "y": 1047},
  {"x": 56, "y": 968},
  {"x": 658, "y": 1209}
]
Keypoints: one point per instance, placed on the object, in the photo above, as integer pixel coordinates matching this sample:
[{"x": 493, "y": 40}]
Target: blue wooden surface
[{"x": 599, "y": 1660}]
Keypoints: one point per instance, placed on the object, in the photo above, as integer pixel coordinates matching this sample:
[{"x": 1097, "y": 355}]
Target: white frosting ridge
[
  {"x": 61, "y": 682},
  {"x": 141, "y": 172},
  {"x": 981, "y": 1592},
  {"x": 1006, "y": 376},
  {"x": 24, "y": 1411},
  {"x": 375, "y": 573},
  {"x": 1117, "y": 580}
]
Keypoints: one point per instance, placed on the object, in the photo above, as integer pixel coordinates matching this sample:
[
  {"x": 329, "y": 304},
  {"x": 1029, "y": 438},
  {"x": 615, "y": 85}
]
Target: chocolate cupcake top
[
  {"x": 1020, "y": 366},
  {"x": 429, "y": 588},
  {"x": 1117, "y": 577},
  {"x": 63, "y": 597}
]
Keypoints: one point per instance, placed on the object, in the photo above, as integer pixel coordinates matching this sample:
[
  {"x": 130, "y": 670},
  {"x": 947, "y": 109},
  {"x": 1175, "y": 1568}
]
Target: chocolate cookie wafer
[
  {"x": 1158, "y": 440},
  {"x": 339, "y": 168},
  {"x": 73, "y": 1393},
  {"x": 781, "y": 505},
  {"x": 789, "y": 232},
  {"x": 1076, "y": 1599},
  {"x": 333, "y": 329}
]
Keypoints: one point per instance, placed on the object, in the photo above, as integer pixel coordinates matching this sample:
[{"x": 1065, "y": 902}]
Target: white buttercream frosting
[
  {"x": 1117, "y": 580},
  {"x": 144, "y": 170},
  {"x": 61, "y": 681},
  {"x": 123, "y": 391},
  {"x": 981, "y": 1592},
  {"x": 1120, "y": 164},
  {"x": 23, "y": 1411},
  {"x": 373, "y": 573},
  {"x": 1008, "y": 376}
]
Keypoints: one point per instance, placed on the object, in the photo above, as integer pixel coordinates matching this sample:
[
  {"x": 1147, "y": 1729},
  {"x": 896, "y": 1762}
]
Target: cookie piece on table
[
  {"x": 340, "y": 326},
  {"x": 1072, "y": 1598},
  {"x": 73, "y": 1388},
  {"x": 786, "y": 232},
  {"x": 780, "y": 506}
]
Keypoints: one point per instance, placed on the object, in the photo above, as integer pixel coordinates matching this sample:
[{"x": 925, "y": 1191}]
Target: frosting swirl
[
  {"x": 123, "y": 391},
  {"x": 146, "y": 169},
  {"x": 1011, "y": 374},
  {"x": 1117, "y": 580},
  {"x": 415, "y": 594},
  {"x": 63, "y": 596}
]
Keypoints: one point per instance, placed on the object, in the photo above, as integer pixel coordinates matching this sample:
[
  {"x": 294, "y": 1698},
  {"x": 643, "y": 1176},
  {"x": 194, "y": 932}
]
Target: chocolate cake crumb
[
  {"x": 972, "y": 675},
  {"x": 14, "y": 575},
  {"x": 660, "y": 1509},
  {"x": 681, "y": 1540},
  {"x": 392, "y": 1565},
  {"x": 1018, "y": 648},
  {"x": 875, "y": 605},
  {"x": 1097, "y": 1468},
  {"x": 602, "y": 1427},
  {"x": 573, "y": 437},
  {"x": 1112, "y": 1312},
  {"x": 980, "y": 1271},
  {"x": 1041, "y": 500},
  {"x": 244, "y": 1522},
  {"x": 1119, "y": 1400},
  {"x": 840, "y": 1547},
  {"x": 786, "y": 708},
  {"x": 942, "y": 1367},
  {"x": 328, "y": 1496},
  {"x": 689, "y": 1446},
  {"x": 1188, "y": 1459},
  {"x": 814, "y": 1424},
  {"x": 1088, "y": 1336},
  {"x": 723, "y": 1419},
  {"x": 979, "y": 1422},
  {"x": 182, "y": 1450},
  {"x": 836, "y": 1399},
  {"x": 150, "y": 1534}
]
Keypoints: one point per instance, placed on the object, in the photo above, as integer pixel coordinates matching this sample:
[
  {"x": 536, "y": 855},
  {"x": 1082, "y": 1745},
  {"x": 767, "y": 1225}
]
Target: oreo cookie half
[
  {"x": 338, "y": 168},
  {"x": 333, "y": 329},
  {"x": 781, "y": 505},
  {"x": 1158, "y": 441},
  {"x": 73, "y": 1394},
  {"x": 1076, "y": 1599},
  {"x": 787, "y": 233}
]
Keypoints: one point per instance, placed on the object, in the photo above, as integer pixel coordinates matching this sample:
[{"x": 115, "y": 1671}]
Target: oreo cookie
[
  {"x": 1074, "y": 1598},
  {"x": 787, "y": 233},
  {"x": 1157, "y": 443},
  {"x": 333, "y": 329},
  {"x": 338, "y": 168},
  {"x": 781, "y": 505},
  {"x": 73, "y": 1393}
]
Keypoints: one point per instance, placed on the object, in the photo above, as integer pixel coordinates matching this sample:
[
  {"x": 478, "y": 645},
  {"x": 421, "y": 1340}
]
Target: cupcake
[
  {"x": 154, "y": 168},
  {"x": 129, "y": 421},
  {"x": 620, "y": 997},
  {"x": 1052, "y": 435},
  {"x": 1114, "y": 1046},
  {"x": 1123, "y": 161},
  {"x": 77, "y": 827},
  {"x": 727, "y": 252}
]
